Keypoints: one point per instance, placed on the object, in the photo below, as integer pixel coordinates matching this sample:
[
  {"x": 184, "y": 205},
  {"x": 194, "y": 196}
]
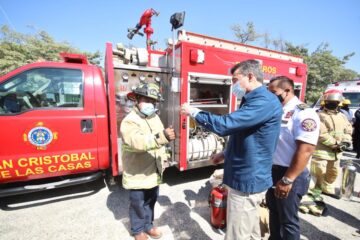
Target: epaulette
[{"x": 303, "y": 106}]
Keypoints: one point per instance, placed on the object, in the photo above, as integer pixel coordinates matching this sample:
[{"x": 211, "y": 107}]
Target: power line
[{"x": 7, "y": 18}]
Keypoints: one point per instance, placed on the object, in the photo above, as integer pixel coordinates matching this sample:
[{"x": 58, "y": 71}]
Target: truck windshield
[
  {"x": 354, "y": 98},
  {"x": 42, "y": 88}
]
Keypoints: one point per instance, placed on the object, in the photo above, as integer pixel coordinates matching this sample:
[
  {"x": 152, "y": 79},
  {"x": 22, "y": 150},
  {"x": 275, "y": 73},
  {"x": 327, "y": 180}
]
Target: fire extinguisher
[
  {"x": 348, "y": 180},
  {"x": 217, "y": 204}
]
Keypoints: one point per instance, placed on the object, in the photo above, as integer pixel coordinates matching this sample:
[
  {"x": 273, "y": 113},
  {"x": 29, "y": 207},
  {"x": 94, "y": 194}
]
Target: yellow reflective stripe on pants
[
  {"x": 325, "y": 173},
  {"x": 322, "y": 154}
]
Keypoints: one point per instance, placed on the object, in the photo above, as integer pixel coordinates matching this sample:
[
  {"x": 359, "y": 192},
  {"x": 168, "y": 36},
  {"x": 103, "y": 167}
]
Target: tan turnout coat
[
  {"x": 334, "y": 129},
  {"x": 143, "y": 150}
]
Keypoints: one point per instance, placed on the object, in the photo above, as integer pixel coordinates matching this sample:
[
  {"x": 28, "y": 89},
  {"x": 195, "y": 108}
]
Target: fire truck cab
[{"x": 53, "y": 122}]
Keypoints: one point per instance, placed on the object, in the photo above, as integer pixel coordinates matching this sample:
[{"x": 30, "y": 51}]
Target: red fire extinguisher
[{"x": 217, "y": 203}]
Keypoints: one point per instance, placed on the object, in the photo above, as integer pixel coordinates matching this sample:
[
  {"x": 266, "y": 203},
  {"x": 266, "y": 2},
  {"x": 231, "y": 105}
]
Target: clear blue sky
[{"x": 88, "y": 24}]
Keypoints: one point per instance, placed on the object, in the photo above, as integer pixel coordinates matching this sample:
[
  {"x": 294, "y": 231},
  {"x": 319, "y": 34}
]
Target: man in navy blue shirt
[{"x": 254, "y": 130}]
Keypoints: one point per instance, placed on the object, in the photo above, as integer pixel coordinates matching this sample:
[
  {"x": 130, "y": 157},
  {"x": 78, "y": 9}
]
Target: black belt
[{"x": 278, "y": 167}]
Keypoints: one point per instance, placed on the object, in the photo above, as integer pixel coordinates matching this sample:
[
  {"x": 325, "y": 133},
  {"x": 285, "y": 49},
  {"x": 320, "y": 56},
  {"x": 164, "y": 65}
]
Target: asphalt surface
[{"x": 98, "y": 211}]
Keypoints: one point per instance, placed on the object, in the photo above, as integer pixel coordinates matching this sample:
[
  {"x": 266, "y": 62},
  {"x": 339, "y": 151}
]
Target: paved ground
[{"x": 95, "y": 211}]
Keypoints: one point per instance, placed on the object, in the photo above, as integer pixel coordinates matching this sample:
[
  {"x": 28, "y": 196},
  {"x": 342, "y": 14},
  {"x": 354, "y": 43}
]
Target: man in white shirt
[{"x": 299, "y": 134}]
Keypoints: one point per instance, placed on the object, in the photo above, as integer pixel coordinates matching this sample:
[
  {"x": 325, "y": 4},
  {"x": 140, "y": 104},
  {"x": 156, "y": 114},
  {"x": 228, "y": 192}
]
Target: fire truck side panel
[
  {"x": 206, "y": 84},
  {"x": 220, "y": 61},
  {"x": 102, "y": 120},
  {"x": 111, "y": 106},
  {"x": 184, "y": 125},
  {"x": 48, "y": 122},
  {"x": 173, "y": 98},
  {"x": 208, "y": 88},
  {"x": 122, "y": 77},
  {"x": 198, "y": 73}
]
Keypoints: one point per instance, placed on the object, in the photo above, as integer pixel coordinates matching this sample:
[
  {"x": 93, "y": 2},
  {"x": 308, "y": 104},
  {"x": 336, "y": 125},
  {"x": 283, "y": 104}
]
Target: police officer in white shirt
[{"x": 299, "y": 134}]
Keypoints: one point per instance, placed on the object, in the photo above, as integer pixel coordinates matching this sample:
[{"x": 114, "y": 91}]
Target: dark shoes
[
  {"x": 141, "y": 236},
  {"x": 154, "y": 233},
  {"x": 331, "y": 195}
]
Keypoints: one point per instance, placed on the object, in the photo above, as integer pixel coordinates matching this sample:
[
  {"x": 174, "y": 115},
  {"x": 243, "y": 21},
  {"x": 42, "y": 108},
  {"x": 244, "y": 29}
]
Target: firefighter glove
[{"x": 343, "y": 146}]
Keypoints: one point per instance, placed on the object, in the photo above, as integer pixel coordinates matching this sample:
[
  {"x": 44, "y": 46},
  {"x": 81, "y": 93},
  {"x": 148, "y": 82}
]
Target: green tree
[
  {"x": 323, "y": 66},
  {"x": 245, "y": 35},
  {"x": 17, "y": 49}
]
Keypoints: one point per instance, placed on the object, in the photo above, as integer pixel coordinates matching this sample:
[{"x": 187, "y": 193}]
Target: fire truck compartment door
[{"x": 205, "y": 78}]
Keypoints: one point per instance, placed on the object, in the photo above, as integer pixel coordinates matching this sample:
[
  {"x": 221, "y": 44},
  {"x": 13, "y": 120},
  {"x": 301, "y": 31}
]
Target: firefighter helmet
[
  {"x": 150, "y": 90},
  {"x": 346, "y": 102},
  {"x": 333, "y": 95}
]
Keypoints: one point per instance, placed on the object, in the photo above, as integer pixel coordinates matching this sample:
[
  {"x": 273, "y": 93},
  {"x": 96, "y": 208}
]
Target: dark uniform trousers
[
  {"x": 142, "y": 203},
  {"x": 284, "y": 219}
]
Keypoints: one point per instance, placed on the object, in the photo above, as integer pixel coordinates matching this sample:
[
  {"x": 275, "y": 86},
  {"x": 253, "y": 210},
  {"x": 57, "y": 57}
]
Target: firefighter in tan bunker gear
[
  {"x": 335, "y": 137},
  {"x": 143, "y": 156}
]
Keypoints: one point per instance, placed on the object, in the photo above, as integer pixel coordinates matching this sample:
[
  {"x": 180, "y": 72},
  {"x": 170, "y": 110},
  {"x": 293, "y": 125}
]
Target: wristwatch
[{"x": 287, "y": 181}]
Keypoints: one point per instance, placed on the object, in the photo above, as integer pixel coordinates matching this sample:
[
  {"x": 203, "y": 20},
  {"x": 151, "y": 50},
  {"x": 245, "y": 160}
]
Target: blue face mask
[
  {"x": 147, "y": 108},
  {"x": 237, "y": 90}
]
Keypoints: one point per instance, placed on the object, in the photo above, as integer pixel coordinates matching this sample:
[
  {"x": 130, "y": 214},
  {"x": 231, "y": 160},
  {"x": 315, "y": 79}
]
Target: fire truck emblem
[
  {"x": 40, "y": 136},
  {"x": 308, "y": 125}
]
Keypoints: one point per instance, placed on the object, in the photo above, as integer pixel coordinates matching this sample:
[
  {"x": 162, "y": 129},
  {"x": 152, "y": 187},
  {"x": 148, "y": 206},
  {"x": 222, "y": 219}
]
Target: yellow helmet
[
  {"x": 322, "y": 103},
  {"x": 346, "y": 102}
]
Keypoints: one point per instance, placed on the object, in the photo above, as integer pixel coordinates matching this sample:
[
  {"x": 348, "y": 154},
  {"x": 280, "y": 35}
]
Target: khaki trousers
[{"x": 242, "y": 215}]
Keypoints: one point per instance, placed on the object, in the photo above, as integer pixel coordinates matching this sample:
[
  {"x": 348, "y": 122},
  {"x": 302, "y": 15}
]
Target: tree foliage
[
  {"x": 17, "y": 49},
  {"x": 323, "y": 66},
  {"x": 245, "y": 35}
]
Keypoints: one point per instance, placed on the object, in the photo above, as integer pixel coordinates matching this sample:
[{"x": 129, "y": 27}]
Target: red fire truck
[{"x": 60, "y": 121}]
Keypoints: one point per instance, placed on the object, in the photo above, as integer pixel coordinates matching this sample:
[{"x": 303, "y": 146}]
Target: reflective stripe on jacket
[{"x": 143, "y": 150}]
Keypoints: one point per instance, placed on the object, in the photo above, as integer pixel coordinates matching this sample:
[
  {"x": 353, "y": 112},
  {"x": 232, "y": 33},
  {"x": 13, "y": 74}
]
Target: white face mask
[
  {"x": 147, "y": 108},
  {"x": 237, "y": 90}
]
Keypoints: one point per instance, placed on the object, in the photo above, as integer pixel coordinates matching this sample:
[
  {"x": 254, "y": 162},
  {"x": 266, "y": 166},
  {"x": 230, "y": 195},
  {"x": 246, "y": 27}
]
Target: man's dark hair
[
  {"x": 283, "y": 82},
  {"x": 250, "y": 66}
]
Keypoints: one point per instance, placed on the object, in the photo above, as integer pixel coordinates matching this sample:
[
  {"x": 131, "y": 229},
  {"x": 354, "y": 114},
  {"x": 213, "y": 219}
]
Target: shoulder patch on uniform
[
  {"x": 308, "y": 125},
  {"x": 302, "y": 106},
  {"x": 289, "y": 114}
]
